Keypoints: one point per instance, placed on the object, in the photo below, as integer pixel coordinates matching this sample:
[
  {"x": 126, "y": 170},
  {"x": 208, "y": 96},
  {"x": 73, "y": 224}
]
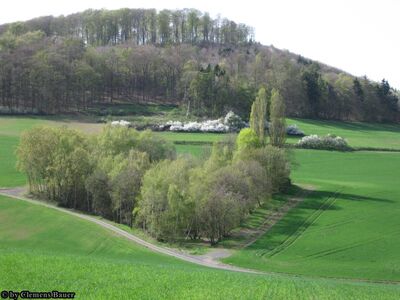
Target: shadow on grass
[
  {"x": 297, "y": 221},
  {"x": 66, "y": 117},
  {"x": 353, "y": 126},
  {"x": 258, "y": 216},
  {"x": 90, "y": 115},
  {"x": 129, "y": 108}
]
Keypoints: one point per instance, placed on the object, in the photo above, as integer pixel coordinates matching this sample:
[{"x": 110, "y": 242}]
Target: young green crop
[
  {"x": 358, "y": 134},
  {"x": 347, "y": 227},
  {"x": 76, "y": 255}
]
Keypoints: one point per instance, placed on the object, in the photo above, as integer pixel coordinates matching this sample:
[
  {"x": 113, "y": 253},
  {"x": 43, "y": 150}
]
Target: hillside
[
  {"x": 106, "y": 266},
  {"x": 51, "y": 65}
]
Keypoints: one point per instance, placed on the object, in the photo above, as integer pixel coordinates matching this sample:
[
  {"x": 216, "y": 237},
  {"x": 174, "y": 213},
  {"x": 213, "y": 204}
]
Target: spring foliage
[
  {"x": 209, "y": 66},
  {"x": 194, "y": 199},
  {"x": 277, "y": 126},
  {"x": 258, "y": 115},
  {"x": 100, "y": 174},
  {"x": 135, "y": 178}
]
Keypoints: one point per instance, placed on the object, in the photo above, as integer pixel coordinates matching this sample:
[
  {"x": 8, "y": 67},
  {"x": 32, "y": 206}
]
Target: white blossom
[
  {"x": 231, "y": 122},
  {"x": 121, "y": 123},
  {"x": 329, "y": 142}
]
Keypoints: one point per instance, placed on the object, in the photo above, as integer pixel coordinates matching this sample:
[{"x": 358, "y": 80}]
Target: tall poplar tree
[
  {"x": 277, "y": 127},
  {"x": 258, "y": 114}
]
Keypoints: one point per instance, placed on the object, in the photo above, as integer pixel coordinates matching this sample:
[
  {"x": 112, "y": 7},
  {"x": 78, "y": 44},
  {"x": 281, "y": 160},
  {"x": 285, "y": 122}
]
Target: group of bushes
[
  {"x": 135, "y": 178},
  {"x": 329, "y": 142}
]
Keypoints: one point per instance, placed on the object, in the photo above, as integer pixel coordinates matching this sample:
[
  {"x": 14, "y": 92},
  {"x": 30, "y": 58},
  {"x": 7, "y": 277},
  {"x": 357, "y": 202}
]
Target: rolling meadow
[{"x": 341, "y": 242}]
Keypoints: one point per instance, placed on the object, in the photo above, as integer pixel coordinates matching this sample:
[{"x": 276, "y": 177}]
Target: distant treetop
[{"x": 139, "y": 26}]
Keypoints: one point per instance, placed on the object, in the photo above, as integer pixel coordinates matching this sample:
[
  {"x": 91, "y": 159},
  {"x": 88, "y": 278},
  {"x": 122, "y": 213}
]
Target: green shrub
[{"x": 247, "y": 139}]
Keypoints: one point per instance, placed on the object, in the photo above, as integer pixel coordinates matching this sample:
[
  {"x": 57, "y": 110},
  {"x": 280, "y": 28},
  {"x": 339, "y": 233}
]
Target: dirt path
[
  {"x": 253, "y": 234},
  {"x": 207, "y": 260},
  {"x": 279, "y": 214}
]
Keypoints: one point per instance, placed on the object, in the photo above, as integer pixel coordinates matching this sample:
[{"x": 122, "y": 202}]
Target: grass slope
[
  {"x": 349, "y": 227},
  {"x": 195, "y": 150},
  {"x": 191, "y": 136},
  {"x": 76, "y": 255},
  {"x": 10, "y": 131},
  {"x": 9, "y": 176},
  {"x": 358, "y": 134}
]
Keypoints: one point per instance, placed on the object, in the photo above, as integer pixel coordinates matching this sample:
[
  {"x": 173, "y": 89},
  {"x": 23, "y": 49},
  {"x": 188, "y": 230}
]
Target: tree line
[
  {"x": 135, "y": 177},
  {"x": 139, "y": 27},
  {"x": 45, "y": 72}
]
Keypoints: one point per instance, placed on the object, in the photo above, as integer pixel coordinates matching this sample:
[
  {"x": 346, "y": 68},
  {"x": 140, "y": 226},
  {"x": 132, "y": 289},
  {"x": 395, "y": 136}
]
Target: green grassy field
[
  {"x": 358, "y": 134},
  {"x": 76, "y": 255},
  {"x": 349, "y": 227},
  {"x": 195, "y": 150},
  {"x": 350, "y": 235},
  {"x": 9, "y": 176},
  {"x": 10, "y": 131},
  {"x": 249, "y": 228},
  {"x": 191, "y": 137}
]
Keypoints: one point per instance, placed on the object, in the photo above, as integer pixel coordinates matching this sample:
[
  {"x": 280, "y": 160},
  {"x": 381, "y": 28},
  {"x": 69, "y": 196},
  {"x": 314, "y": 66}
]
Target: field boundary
[
  {"x": 353, "y": 149},
  {"x": 293, "y": 146}
]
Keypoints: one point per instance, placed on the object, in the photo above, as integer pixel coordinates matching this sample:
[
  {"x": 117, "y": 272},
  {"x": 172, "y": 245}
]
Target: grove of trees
[
  {"x": 100, "y": 174},
  {"x": 135, "y": 178}
]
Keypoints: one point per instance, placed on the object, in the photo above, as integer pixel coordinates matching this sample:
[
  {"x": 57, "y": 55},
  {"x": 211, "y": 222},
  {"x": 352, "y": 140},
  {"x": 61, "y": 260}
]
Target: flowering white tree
[
  {"x": 121, "y": 123},
  {"x": 329, "y": 142},
  {"x": 230, "y": 122}
]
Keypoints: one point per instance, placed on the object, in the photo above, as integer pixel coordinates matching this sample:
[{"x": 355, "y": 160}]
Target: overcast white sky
[{"x": 359, "y": 36}]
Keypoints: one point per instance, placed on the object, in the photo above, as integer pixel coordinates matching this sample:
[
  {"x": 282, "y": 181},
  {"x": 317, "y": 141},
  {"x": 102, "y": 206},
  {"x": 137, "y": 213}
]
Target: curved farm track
[{"x": 208, "y": 260}]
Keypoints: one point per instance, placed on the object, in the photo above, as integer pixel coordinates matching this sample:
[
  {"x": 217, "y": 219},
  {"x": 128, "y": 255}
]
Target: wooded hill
[{"x": 208, "y": 66}]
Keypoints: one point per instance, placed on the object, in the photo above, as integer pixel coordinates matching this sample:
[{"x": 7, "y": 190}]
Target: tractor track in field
[
  {"x": 208, "y": 260},
  {"x": 276, "y": 216},
  {"x": 303, "y": 227}
]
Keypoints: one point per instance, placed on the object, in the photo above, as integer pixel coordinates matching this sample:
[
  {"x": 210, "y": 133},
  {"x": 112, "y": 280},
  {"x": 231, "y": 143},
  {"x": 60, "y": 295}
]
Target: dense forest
[{"x": 208, "y": 66}]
